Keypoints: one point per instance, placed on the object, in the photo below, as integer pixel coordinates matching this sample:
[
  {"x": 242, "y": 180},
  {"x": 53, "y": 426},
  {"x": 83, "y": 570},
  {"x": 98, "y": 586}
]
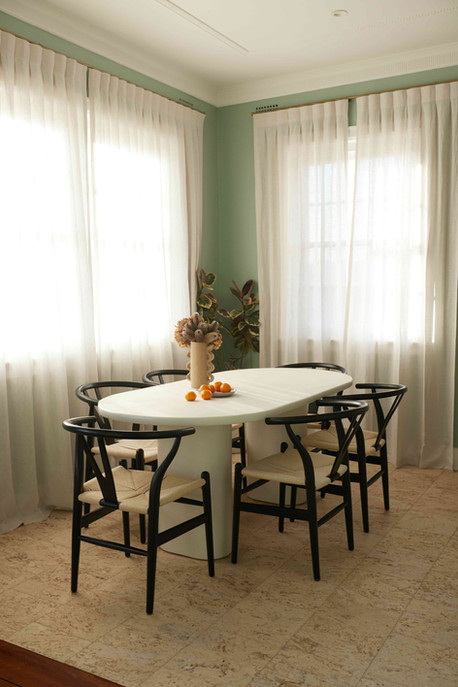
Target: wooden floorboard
[
  {"x": 4, "y": 683},
  {"x": 23, "y": 668}
]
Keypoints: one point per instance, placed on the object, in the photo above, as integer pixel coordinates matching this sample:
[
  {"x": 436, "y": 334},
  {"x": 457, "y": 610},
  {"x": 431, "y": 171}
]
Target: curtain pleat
[
  {"x": 100, "y": 239},
  {"x": 358, "y": 254},
  {"x": 44, "y": 278},
  {"x": 300, "y": 163},
  {"x": 146, "y": 222},
  {"x": 402, "y": 313}
]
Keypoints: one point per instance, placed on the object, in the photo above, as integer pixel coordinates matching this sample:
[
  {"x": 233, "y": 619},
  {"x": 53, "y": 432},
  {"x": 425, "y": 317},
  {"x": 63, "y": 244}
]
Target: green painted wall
[{"x": 210, "y": 191}]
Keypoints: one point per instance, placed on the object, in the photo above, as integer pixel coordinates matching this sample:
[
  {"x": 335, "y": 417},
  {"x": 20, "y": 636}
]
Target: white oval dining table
[{"x": 260, "y": 393}]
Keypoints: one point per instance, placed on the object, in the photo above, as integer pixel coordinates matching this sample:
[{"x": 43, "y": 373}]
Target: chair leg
[
  {"x": 385, "y": 484},
  {"x": 126, "y": 530},
  {"x": 362, "y": 478},
  {"x": 153, "y": 526},
  {"x": 281, "y": 519},
  {"x": 87, "y": 476},
  {"x": 242, "y": 447},
  {"x": 346, "y": 483},
  {"x": 139, "y": 464},
  {"x": 292, "y": 502},
  {"x": 76, "y": 543},
  {"x": 313, "y": 530},
  {"x": 206, "y": 494},
  {"x": 236, "y": 514},
  {"x": 142, "y": 523}
]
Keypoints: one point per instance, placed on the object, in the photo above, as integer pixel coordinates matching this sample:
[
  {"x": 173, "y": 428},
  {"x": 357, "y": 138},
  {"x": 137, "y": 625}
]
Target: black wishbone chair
[
  {"x": 367, "y": 447},
  {"x": 132, "y": 491},
  {"x": 140, "y": 451},
  {"x": 238, "y": 441},
  {"x": 157, "y": 376},
  {"x": 318, "y": 366},
  {"x": 330, "y": 367},
  {"x": 296, "y": 467}
]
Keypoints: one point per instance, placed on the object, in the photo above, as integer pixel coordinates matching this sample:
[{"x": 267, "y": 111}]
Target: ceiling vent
[{"x": 264, "y": 108}]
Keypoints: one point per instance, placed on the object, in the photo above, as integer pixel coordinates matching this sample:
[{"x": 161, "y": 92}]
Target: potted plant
[{"x": 241, "y": 323}]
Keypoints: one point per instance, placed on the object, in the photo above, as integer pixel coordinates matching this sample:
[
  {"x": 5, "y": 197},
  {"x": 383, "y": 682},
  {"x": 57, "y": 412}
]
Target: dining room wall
[
  {"x": 229, "y": 222},
  {"x": 236, "y": 186}
]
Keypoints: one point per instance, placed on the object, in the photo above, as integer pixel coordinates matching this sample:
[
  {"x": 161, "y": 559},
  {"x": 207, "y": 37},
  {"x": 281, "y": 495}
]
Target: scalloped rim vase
[{"x": 200, "y": 364}]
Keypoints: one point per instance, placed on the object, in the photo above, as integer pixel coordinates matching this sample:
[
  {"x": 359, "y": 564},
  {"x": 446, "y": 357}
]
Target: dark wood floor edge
[
  {"x": 24, "y": 668},
  {"x": 7, "y": 683}
]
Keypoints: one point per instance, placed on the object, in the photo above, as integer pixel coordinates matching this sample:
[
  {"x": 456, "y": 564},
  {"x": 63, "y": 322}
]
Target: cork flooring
[{"x": 384, "y": 615}]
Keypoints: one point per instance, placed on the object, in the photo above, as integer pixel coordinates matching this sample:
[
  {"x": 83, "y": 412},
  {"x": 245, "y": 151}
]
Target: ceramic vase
[{"x": 200, "y": 364}]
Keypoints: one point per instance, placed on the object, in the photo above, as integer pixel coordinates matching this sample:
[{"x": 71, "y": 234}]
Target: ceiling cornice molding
[
  {"x": 45, "y": 16},
  {"x": 107, "y": 45},
  {"x": 348, "y": 73}
]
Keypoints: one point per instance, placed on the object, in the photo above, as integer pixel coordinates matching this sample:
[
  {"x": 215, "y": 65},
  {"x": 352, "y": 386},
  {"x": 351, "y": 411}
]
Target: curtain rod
[
  {"x": 351, "y": 97},
  {"x": 90, "y": 66}
]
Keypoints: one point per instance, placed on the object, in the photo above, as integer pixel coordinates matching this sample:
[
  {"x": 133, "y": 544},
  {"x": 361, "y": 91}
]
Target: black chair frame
[
  {"x": 353, "y": 411},
  {"x": 84, "y": 438},
  {"x": 323, "y": 366},
  {"x": 376, "y": 393},
  {"x": 148, "y": 377},
  {"x": 83, "y": 392}
]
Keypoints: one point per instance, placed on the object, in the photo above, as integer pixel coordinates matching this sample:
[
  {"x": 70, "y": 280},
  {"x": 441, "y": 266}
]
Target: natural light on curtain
[
  {"x": 402, "y": 292},
  {"x": 301, "y": 173},
  {"x": 44, "y": 278},
  {"x": 357, "y": 231},
  {"x": 101, "y": 225},
  {"x": 144, "y": 222},
  {"x": 29, "y": 230}
]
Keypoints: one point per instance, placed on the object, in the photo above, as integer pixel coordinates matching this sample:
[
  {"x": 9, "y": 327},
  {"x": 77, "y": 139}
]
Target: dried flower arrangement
[{"x": 195, "y": 329}]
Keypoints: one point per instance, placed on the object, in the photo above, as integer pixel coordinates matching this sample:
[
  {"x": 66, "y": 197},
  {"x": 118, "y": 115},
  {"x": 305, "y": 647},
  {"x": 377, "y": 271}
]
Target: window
[{"x": 340, "y": 249}]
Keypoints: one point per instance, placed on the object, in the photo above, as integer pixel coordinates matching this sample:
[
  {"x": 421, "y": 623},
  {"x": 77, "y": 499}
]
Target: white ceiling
[{"x": 231, "y": 51}]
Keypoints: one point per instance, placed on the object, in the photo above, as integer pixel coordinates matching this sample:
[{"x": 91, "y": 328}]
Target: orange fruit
[
  {"x": 217, "y": 386},
  {"x": 212, "y": 388},
  {"x": 206, "y": 394},
  {"x": 225, "y": 388},
  {"x": 191, "y": 396},
  {"x": 205, "y": 387}
]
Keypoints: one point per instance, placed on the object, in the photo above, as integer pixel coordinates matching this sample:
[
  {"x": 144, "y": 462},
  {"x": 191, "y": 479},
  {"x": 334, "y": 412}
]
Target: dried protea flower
[{"x": 195, "y": 329}]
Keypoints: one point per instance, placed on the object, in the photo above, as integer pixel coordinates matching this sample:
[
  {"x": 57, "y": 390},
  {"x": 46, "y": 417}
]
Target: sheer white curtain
[
  {"x": 146, "y": 219},
  {"x": 44, "y": 278},
  {"x": 383, "y": 282},
  {"x": 301, "y": 209},
  {"x": 100, "y": 236},
  {"x": 402, "y": 294}
]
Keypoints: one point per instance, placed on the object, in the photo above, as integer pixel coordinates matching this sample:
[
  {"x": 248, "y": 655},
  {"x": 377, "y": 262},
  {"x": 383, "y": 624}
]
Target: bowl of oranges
[{"x": 209, "y": 391}]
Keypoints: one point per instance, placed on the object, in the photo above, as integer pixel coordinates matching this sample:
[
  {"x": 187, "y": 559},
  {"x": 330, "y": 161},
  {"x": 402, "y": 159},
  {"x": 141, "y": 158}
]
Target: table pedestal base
[{"x": 210, "y": 448}]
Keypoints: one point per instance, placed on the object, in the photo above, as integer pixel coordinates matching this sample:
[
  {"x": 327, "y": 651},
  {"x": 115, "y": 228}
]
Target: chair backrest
[
  {"x": 351, "y": 411},
  {"x": 87, "y": 433},
  {"x": 376, "y": 393},
  {"x": 157, "y": 376},
  {"x": 316, "y": 366},
  {"x": 92, "y": 392}
]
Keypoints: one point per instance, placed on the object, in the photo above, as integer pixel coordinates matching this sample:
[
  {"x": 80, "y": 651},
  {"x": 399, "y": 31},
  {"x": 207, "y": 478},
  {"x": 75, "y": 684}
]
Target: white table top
[{"x": 260, "y": 393}]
